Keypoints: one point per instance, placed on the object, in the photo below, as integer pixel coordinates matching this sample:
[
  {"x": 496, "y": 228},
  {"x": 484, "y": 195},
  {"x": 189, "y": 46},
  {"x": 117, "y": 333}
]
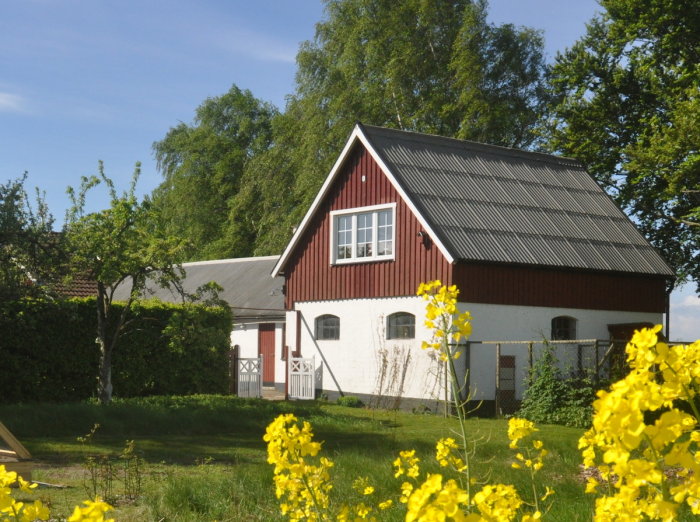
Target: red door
[{"x": 266, "y": 348}]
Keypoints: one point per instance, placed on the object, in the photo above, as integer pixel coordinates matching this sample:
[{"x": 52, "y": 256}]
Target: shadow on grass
[{"x": 188, "y": 430}]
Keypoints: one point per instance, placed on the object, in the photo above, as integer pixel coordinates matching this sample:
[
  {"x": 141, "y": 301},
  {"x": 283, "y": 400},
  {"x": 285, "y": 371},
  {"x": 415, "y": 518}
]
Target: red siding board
[
  {"x": 532, "y": 286},
  {"x": 311, "y": 277}
]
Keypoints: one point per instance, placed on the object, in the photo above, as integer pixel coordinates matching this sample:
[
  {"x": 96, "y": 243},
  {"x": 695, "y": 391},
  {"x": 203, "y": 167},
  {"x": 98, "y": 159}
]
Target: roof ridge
[
  {"x": 490, "y": 148},
  {"x": 231, "y": 260}
]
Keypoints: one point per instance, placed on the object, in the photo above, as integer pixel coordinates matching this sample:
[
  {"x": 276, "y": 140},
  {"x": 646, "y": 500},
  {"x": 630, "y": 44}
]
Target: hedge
[{"x": 48, "y": 350}]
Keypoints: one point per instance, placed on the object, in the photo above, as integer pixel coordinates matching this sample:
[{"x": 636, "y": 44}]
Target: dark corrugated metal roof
[
  {"x": 490, "y": 203},
  {"x": 246, "y": 282}
]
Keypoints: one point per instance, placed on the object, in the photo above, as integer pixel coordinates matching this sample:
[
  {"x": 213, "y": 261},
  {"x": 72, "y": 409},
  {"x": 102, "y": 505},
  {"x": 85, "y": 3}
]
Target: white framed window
[
  {"x": 401, "y": 325},
  {"x": 327, "y": 327},
  {"x": 363, "y": 234},
  {"x": 563, "y": 328}
]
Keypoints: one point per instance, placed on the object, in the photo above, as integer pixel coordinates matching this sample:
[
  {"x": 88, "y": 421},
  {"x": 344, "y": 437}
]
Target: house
[
  {"x": 536, "y": 247},
  {"x": 254, "y": 297}
]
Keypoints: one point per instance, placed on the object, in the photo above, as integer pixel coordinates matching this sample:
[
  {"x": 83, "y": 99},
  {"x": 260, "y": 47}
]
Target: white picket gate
[
  {"x": 302, "y": 378},
  {"x": 250, "y": 374}
]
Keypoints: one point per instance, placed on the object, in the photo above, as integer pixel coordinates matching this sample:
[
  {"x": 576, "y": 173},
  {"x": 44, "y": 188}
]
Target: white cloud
[
  {"x": 257, "y": 45},
  {"x": 685, "y": 327},
  {"x": 691, "y": 300},
  {"x": 11, "y": 102}
]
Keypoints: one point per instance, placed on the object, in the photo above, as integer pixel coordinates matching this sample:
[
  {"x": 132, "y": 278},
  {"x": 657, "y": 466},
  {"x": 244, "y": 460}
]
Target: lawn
[{"x": 204, "y": 457}]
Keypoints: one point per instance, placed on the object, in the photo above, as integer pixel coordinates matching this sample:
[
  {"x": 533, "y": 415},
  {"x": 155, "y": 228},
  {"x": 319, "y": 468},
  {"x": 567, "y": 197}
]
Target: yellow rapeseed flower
[
  {"x": 632, "y": 452},
  {"x": 92, "y": 511}
]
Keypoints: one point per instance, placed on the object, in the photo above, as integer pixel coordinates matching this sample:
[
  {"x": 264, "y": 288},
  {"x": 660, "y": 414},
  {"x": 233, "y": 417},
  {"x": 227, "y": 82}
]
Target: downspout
[{"x": 668, "y": 313}]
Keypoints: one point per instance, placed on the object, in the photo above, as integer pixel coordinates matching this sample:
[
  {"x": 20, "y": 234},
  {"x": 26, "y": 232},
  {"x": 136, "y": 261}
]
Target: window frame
[
  {"x": 390, "y": 334},
  {"x": 317, "y": 324},
  {"x": 571, "y": 327},
  {"x": 353, "y": 213}
]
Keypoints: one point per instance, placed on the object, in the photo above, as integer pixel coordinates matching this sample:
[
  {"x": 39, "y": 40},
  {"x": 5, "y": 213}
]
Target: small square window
[
  {"x": 401, "y": 325},
  {"x": 327, "y": 327},
  {"x": 563, "y": 328}
]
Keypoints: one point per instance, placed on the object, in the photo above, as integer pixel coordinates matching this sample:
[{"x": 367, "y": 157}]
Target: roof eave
[
  {"x": 416, "y": 212},
  {"x": 277, "y": 270}
]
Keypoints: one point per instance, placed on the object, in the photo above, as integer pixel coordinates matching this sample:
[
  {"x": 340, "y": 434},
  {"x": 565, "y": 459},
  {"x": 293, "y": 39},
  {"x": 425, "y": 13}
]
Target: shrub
[
  {"x": 350, "y": 401},
  {"x": 553, "y": 399},
  {"x": 48, "y": 350}
]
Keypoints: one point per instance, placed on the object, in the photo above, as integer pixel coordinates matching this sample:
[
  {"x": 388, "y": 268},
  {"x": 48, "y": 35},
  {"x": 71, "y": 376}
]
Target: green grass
[{"x": 205, "y": 458}]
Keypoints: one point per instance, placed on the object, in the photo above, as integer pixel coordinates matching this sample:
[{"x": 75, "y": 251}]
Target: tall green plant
[
  {"x": 239, "y": 178},
  {"x": 166, "y": 349},
  {"x": 428, "y": 66},
  {"x": 551, "y": 398},
  {"x": 30, "y": 252},
  {"x": 203, "y": 166},
  {"x": 121, "y": 245}
]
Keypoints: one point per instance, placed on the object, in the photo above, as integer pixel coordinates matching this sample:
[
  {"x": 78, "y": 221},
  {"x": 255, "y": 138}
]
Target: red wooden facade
[
  {"x": 542, "y": 286},
  {"x": 311, "y": 277}
]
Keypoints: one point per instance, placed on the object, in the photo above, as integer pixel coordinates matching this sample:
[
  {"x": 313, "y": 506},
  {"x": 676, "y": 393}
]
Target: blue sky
[{"x": 89, "y": 80}]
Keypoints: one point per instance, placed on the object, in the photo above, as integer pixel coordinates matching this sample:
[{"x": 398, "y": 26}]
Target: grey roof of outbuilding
[
  {"x": 247, "y": 286},
  {"x": 495, "y": 204}
]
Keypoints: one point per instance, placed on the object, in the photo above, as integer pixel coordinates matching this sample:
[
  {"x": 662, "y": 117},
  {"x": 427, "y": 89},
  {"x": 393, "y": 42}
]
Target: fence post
[
  {"x": 497, "y": 402},
  {"x": 233, "y": 356},
  {"x": 597, "y": 363}
]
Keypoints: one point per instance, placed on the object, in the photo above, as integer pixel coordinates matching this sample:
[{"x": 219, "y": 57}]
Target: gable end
[{"x": 361, "y": 183}]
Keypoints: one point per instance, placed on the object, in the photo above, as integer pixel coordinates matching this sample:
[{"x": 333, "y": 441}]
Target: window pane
[
  {"x": 563, "y": 328},
  {"x": 364, "y": 235},
  {"x": 384, "y": 243},
  {"x": 344, "y": 237}
]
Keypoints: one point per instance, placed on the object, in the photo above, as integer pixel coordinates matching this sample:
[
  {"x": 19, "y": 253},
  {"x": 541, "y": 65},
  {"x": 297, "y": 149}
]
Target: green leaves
[
  {"x": 551, "y": 398},
  {"x": 123, "y": 244},
  {"x": 30, "y": 252},
  {"x": 203, "y": 165},
  {"x": 428, "y": 66},
  {"x": 124, "y": 240},
  {"x": 167, "y": 349},
  {"x": 242, "y": 175}
]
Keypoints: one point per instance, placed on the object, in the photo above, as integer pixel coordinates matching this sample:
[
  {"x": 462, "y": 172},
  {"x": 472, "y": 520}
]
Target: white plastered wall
[
  {"x": 246, "y": 337},
  {"x": 353, "y": 363}
]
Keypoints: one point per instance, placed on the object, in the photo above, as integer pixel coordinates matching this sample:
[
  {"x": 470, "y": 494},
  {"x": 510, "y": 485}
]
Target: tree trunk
[
  {"x": 104, "y": 375},
  {"x": 104, "y": 378}
]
